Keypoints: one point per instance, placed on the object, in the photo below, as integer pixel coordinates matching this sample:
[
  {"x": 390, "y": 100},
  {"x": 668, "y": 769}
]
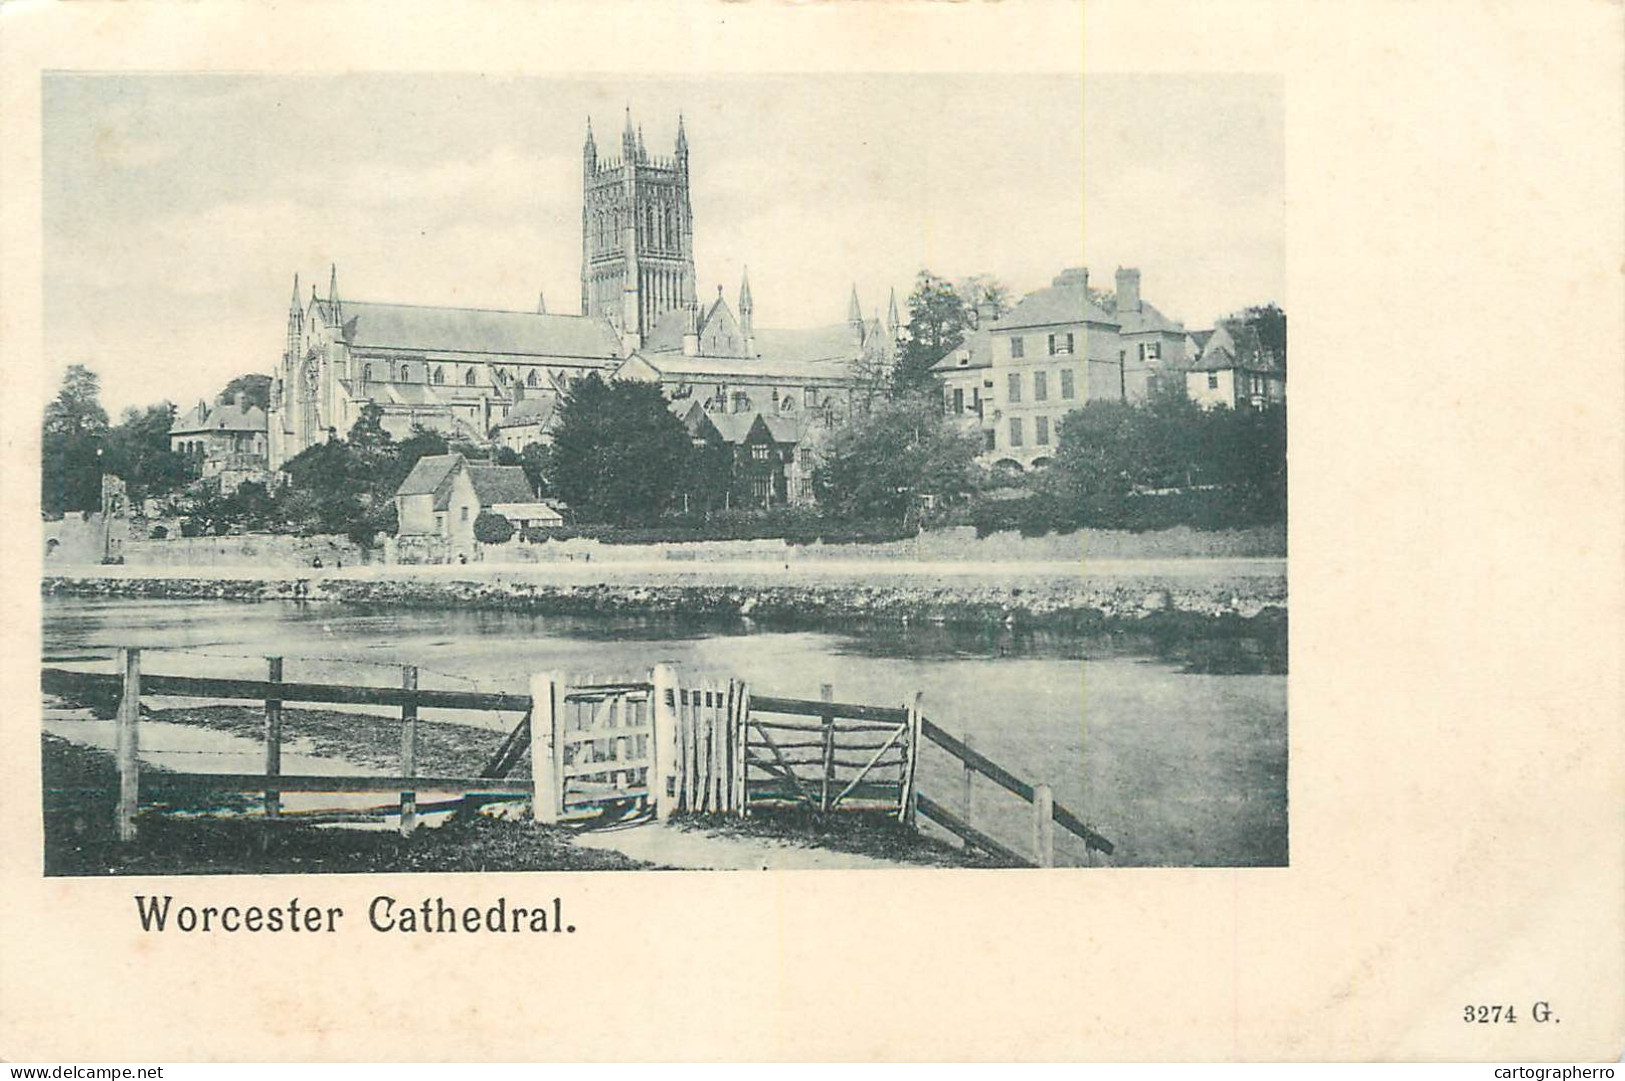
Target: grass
[{"x": 81, "y": 787}]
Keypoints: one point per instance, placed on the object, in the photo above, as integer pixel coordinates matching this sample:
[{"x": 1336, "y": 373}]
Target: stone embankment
[{"x": 1037, "y": 600}]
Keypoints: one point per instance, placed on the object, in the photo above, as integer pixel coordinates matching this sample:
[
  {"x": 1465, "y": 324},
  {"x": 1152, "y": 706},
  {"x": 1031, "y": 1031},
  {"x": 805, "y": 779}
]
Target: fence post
[
  {"x": 546, "y": 758},
  {"x": 409, "y": 747},
  {"x": 906, "y": 801},
  {"x": 966, "y": 791},
  {"x": 273, "y": 738},
  {"x": 1044, "y": 825},
  {"x": 127, "y": 743},
  {"x": 663, "y": 769},
  {"x": 826, "y": 692}
]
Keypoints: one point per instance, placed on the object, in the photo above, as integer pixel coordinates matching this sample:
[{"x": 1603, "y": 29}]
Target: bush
[
  {"x": 492, "y": 528},
  {"x": 796, "y": 525},
  {"x": 159, "y": 532}
]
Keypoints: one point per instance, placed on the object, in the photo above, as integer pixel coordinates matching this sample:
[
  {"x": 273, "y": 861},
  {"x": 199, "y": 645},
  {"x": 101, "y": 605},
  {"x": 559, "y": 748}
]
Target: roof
[
  {"x": 733, "y": 427},
  {"x": 1235, "y": 345},
  {"x": 1147, "y": 318},
  {"x": 534, "y": 410},
  {"x": 429, "y": 474},
  {"x": 738, "y": 369},
  {"x": 421, "y": 328},
  {"x": 501, "y": 484},
  {"x": 1067, "y": 301},
  {"x": 835, "y": 341},
  {"x": 220, "y": 418},
  {"x": 978, "y": 349}
]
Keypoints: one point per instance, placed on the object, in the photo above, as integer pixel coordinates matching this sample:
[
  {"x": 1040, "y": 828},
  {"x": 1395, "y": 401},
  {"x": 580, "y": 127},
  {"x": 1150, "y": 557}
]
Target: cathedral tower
[{"x": 637, "y": 237}]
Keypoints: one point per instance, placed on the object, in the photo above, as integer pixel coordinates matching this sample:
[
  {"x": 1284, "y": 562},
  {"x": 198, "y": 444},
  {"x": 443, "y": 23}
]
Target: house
[
  {"x": 440, "y": 500},
  {"x": 529, "y": 421},
  {"x": 1236, "y": 371},
  {"x": 1014, "y": 378},
  {"x": 771, "y": 458},
  {"x": 225, "y": 442}
]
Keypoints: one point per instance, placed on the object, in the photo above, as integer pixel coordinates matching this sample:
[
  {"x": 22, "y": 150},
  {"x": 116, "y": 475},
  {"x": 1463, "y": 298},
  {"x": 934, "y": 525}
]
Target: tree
[
  {"x": 980, "y": 289},
  {"x": 367, "y": 433},
  {"x": 71, "y": 444},
  {"x": 137, "y": 449},
  {"x": 619, "y": 455},
  {"x": 936, "y": 324},
  {"x": 492, "y": 528},
  {"x": 880, "y": 464},
  {"x": 255, "y": 387},
  {"x": 533, "y": 460},
  {"x": 1270, "y": 323}
]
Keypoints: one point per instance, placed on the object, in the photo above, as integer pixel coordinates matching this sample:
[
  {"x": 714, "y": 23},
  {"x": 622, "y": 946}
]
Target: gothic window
[
  {"x": 366, "y": 373},
  {"x": 439, "y": 376},
  {"x": 671, "y": 228},
  {"x": 468, "y": 378},
  {"x": 406, "y": 373},
  {"x": 530, "y": 380}
]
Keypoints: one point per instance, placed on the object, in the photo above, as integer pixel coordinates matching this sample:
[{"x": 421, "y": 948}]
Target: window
[
  {"x": 1060, "y": 344},
  {"x": 741, "y": 401},
  {"x": 1040, "y": 386},
  {"x": 1213, "y": 380},
  {"x": 992, "y": 439},
  {"x": 366, "y": 373},
  {"x": 1069, "y": 342},
  {"x": 1069, "y": 387},
  {"x": 465, "y": 514},
  {"x": 759, "y": 451},
  {"x": 530, "y": 380},
  {"x": 439, "y": 376},
  {"x": 468, "y": 378},
  {"x": 406, "y": 373},
  {"x": 1018, "y": 347},
  {"x": 809, "y": 397},
  {"x": 1041, "y": 431},
  {"x": 787, "y": 404},
  {"x": 959, "y": 401},
  {"x": 1150, "y": 351},
  {"x": 804, "y": 458},
  {"x": 1015, "y": 431},
  {"x": 1015, "y": 386}
]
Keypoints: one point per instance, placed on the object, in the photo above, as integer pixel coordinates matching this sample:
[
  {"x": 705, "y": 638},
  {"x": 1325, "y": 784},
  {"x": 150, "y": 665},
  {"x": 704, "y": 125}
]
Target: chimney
[
  {"x": 1077, "y": 275},
  {"x": 1128, "y": 290}
]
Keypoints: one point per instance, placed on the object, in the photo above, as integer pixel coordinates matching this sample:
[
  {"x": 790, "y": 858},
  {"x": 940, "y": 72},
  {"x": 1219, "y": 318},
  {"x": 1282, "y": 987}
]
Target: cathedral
[{"x": 465, "y": 372}]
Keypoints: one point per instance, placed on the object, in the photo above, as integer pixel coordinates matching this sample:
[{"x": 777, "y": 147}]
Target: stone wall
[
  {"x": 246, "y": 550},
  {"x": 947, "y": 545}
]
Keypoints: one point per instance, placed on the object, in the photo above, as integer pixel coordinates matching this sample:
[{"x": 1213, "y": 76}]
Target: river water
[{"x": 1178, "y": 755}]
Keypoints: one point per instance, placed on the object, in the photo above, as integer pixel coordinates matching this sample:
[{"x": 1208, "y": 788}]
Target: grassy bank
[{"x": 81, "y": 788}]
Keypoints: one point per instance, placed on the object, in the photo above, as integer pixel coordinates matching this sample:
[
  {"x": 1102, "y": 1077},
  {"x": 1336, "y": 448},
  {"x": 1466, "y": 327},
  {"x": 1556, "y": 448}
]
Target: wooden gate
[
  {"x": 592, "y": 745},
  {"x": 829, "y": 755}
]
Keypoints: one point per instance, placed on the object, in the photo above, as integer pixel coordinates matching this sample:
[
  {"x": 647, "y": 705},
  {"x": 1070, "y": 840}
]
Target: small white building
[{"x": 1235, "y": 371}]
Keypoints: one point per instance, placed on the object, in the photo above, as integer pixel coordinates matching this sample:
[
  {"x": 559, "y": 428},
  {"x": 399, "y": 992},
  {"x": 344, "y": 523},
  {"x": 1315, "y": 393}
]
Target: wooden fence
[{"x": 707, "y": 748}]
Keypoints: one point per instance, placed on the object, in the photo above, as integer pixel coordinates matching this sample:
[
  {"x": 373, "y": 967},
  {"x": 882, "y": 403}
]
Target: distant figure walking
[
  {"x": 462, "y": 557},
  {"x": 316, "y": 562}
]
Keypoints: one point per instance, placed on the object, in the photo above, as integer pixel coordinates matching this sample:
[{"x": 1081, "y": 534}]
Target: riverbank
[{"x": 1067, "y": 596}]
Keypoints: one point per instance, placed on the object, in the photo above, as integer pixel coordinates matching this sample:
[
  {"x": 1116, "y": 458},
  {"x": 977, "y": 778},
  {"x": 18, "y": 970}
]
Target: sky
[{"x": 179, "y": 207}]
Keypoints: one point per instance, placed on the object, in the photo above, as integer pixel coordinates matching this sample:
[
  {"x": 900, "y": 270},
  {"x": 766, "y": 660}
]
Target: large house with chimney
[
  {"x": 225, "y": 442},
  {"x": 1015, "y": 377}
]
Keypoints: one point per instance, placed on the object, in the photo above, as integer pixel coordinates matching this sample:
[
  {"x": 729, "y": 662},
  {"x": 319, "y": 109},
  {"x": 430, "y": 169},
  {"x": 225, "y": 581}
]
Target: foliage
[
  {"x": 937, "y": 323},
  {"x": 618, "y": 455},
  {"x": 979, "y": 289},
  {"x": 492, "y": 528},
  {"x": 880, "y": 464},
  {"x": 1153, "y": 466},
  {"x": 533, "y": 460},
  {"x": 137, "y": 449},
  {"x": 255, "y": 386},
  {"x": 71, "y": 444},
  {"x": 1270, "y": 323}
]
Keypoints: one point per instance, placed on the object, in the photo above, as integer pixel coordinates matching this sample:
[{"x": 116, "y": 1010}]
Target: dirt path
[{"x": 686, "y": 847}]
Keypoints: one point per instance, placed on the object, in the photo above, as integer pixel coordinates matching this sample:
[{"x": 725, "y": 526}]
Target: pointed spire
[
  {"x": 641, "y": 154},
  {"x": 854, "y": 310},
  {"x": 293, "y": 306},
  {"x": 333, "y": 283},
  {"x": 541, "y": 303},
  {"x": 892, "y": 319},
  {"x": 682, "y": 136},
  {"x": 744, "y": 290},
  {"x": 629, "y": 139},
  {"x": 589, "y": 149}
]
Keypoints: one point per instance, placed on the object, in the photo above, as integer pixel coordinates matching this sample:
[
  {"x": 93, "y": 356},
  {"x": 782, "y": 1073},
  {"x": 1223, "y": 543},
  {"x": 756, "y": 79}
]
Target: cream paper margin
[{"x": 1454, "y": 258}]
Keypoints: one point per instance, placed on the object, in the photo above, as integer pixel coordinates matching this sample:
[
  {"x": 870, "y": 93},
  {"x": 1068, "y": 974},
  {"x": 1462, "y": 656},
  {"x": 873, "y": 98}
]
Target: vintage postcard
[{"x": 799, "y": 497}]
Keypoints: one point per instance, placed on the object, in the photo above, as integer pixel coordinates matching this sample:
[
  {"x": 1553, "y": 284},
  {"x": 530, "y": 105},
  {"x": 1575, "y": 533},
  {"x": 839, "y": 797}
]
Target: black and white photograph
[{"x": 619, "y": 473}]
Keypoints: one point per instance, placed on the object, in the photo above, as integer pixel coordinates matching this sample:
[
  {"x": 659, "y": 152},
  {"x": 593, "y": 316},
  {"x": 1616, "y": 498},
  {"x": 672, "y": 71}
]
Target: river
[{"x": 1179, "y": 755}]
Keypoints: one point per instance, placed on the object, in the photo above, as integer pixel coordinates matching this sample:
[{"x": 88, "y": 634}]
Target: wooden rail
[
  {"x": 945, "y": 818},
  {"x": 63, "y": 680},
  {"x": 978, "y": 762}
]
